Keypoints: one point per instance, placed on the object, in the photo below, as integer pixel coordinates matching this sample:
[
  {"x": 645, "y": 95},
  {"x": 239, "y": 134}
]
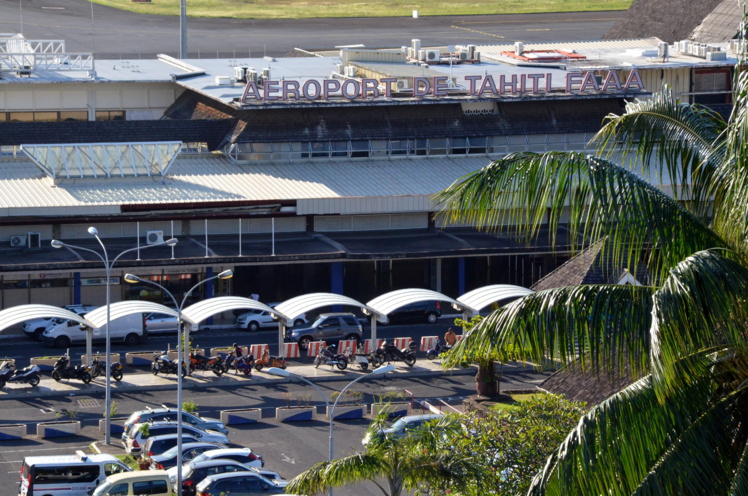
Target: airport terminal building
[{"x": 308, "y": 173}]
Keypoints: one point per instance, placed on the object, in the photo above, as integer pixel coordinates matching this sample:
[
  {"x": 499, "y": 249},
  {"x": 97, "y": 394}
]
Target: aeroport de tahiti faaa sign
[{"x": 438, "y": 86}]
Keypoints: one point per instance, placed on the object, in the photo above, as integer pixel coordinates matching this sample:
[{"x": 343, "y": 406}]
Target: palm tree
[
  {"x": 395, "y": 464},
  {"x": 682, "y": 428}
]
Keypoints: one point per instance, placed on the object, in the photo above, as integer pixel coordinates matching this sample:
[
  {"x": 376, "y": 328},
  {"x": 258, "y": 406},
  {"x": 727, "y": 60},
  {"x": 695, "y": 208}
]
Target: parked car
[
  {"x": 166, "y": 413},
  {"x": 190, "y": 450},
  {"x": 328, "y": 327},
  {"x": 254, "y": 320},
  {"x": 420, "y": 311},
  {"x": 244, "y": 456},
  {"x": 155, "y": 445},
  {"x": 152, "y": 483},
  {"x": 34, "y": 328},
  {"x": 402, "y": 426},
  {"x": 135, "y": 438},
  {"x": 239, "y": 484},
  {"x": 195, "y": 471}
]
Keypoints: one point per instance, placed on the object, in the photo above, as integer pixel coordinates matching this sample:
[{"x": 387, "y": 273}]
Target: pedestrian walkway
[{"x": 141, "y": 379}]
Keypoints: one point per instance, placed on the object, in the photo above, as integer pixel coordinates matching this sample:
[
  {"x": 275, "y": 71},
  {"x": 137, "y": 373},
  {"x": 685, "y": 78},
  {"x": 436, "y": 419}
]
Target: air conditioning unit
[
  {"x": 18, "y": 241},
  {"x": 240, "y": 74},
  {"x": 463, "y": 55},
  {"x": 422, "y": 54},
  {"x": 403, "y": 84},
  {"x": 34, "y": 240},
  {"x": 432, "y": 55},
  {"x": 154, "y": 237}
]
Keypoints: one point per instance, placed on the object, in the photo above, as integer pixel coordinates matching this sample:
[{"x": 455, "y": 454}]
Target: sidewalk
[{"x": 141, "y": 379}]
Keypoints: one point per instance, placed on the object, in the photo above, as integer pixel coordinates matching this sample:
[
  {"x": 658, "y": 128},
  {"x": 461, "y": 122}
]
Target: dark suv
[
  {"x": 328, "y": 327},
  {"x": 422, "y": 311}
]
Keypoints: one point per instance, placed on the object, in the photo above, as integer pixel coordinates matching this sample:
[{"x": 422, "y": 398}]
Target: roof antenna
[
  {"x": 20, "y": 6},
  {"x": 93, "y": 35}
]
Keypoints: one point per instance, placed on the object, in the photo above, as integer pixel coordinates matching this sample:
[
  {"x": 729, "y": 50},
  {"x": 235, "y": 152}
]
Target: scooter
[
  {"x": 437, "y": 350},
  {"x": 389, "y": 353},
  {"x": 201, "y": 362},
  {"x": 327, "y": 356},
  {"x": 165, "y": 365},
  {"x": 63, "y": 370},
  {"x": 270, "y": 361},
  {"x": 29, "y": 375},
  {"x": 245, "y": 364},
  {"x": 359, "y": 358},
  {"x": 98, "y": 367}
]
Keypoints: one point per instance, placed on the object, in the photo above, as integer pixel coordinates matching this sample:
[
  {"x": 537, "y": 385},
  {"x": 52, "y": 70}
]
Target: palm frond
[
  {"x": 681, "y": 139},
  {"x": 596, "y": 198},
  {"x": 703, "y": 304},
  {"x": 599, "y": 324},
  {"x": 634, "y": 444},
  {"x": 339, "y": 472}
]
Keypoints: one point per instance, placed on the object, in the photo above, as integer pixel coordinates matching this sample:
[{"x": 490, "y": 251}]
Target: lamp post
[
  {"x": 108, "y": 267},
  {"x": 285, "y": 373},
  {"x": 226, "y": 274}
]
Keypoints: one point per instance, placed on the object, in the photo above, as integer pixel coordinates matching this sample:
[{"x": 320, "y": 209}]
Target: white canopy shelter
[
  {"x": 97, "y": 318},
  {"x": 15, "y": 315},
  {"x": 482, "y": 297}
]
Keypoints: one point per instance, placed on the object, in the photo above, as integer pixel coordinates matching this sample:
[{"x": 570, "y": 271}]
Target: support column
[
  {"x": 76, "y": 288},
  {"x": 461, "y": 276}
]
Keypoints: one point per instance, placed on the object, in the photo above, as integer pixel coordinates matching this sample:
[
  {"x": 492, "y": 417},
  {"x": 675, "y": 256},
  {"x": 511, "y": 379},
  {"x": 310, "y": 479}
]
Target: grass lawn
[
  {"x": 287, "y": 9},
  {"x": 514, "y": 402}
]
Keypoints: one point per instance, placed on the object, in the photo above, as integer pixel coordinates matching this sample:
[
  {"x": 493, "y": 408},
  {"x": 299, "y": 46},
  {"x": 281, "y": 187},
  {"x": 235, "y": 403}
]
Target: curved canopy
[
  {"x": 97, "y": 318},
  {"x": 482, "y": 297},
  {"x": 14, "y": 315},
  {"x": 305, "y": 303},
  {"x": 206, "y": 308},
  {"x": 388, "y": 302}
]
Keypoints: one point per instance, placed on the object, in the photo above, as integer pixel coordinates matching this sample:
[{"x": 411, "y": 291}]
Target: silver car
[
  {"x": 160, "y": 323},
  {"x": 253, "y": 320}
]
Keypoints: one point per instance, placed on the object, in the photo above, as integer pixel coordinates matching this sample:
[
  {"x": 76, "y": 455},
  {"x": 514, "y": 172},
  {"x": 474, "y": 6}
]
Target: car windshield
[
  {"x": 399, "y": 425},
  {"x": 170, "y": 453}
]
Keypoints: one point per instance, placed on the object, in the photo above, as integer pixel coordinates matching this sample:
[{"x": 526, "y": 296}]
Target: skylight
[{"x": 95, "y": 160}]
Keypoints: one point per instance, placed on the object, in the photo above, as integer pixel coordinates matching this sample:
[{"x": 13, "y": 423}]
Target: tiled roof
[
  {"x": 669, "y": 20},
  {"x": 721, "y": 24}
]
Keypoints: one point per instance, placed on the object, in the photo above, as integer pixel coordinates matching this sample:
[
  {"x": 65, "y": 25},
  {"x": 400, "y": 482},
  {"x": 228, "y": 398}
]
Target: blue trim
[
  {"x": 300, "y": 417},
  {"x": 46, "y": 368},
  {"x": 238, "y": 419},
  {"x": 76, "y": 288},
  {"x": 136, "y": 360},
  {"x": 351, "y": 414},
  {"x": 49, "y": 432},
  {"x": 4, "y": 436}
]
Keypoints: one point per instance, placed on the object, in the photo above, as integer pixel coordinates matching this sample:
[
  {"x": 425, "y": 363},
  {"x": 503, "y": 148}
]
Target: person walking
[{"x": 450, "y": 338}]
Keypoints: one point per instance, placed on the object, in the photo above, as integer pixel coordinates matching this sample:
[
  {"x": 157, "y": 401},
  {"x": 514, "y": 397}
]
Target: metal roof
[
  {"x": 97, "y": 318},
  {"x": 81, "y": 160},
  {"x": 482, "y": 297},
  {"x": 393, "y": 300},
  {"x": 206, "y": 308},
  {"x": 14, "y": 315},
  {"x": 305, "y": 303}
]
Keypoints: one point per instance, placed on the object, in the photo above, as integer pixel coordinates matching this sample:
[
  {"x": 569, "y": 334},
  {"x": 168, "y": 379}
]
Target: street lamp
[
  {"x": 285, "y": 373},
  {"x": 226, "y": 274},
  {"x": 108, "y": 267}
]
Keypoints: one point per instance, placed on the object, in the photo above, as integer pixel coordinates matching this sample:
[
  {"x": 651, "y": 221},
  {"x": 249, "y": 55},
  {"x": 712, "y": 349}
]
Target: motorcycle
[
  {"x": 201, "y": 362},
  {"x": 270, "y": 361},
  {"x": 99, "y": 368},
  {"x": 328, "y": 356},
  {"x": 390, "y": 353},
  {"x": 165, "y": 365},
  {"x": 28, "y": 375},
  {"x": 437, "y": 350},
  {"x": 63, "y": 370}
]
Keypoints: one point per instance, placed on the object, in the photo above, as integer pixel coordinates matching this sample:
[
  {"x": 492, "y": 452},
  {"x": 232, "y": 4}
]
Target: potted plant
[
  {"x": 298, "y": 408},
  {"x": 60, "y": 428},
  {"x": 349, "y": 406},
  {"x": 393, "y": 402},
  {"x": 45, "y": 363}
]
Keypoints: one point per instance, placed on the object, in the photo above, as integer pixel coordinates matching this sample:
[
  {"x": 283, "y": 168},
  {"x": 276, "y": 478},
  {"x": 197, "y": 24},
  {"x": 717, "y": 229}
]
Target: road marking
[
  {"x": 89, "y": 403},
  {"x": 287, "y": 459},
  {"x": 546, "y": 29},
  {"x": 479, "y": 32}
]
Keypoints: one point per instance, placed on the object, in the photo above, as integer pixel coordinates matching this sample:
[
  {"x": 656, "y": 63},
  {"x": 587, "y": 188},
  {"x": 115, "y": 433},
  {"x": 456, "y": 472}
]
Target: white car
[
  {"x": 34, "y": 328},
  {"x": 134, "y": 439},
  {"x": 160, "y": 323},
  {"x": 254, "y": 320}
]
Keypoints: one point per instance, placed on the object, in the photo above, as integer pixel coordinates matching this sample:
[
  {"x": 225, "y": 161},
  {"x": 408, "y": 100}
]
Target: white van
[
  {"x": 129, "y": 329},
  {"x": 67, "y": 475}
]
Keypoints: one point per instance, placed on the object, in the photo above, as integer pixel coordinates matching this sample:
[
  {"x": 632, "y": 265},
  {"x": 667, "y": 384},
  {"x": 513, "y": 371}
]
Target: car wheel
[
  {"x": 62, "y": 342},
  {"x": 132, "y": 339},
  {"x": 253, "y": 326},
  {"x": 304, "y": 342},
  {"x": 432, "y": 318},
  {"x": 56, "y": 375}
]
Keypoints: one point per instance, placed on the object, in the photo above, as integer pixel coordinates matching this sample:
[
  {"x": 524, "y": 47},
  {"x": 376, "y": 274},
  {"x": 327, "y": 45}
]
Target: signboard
[{"x": 438, "y": 86}]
